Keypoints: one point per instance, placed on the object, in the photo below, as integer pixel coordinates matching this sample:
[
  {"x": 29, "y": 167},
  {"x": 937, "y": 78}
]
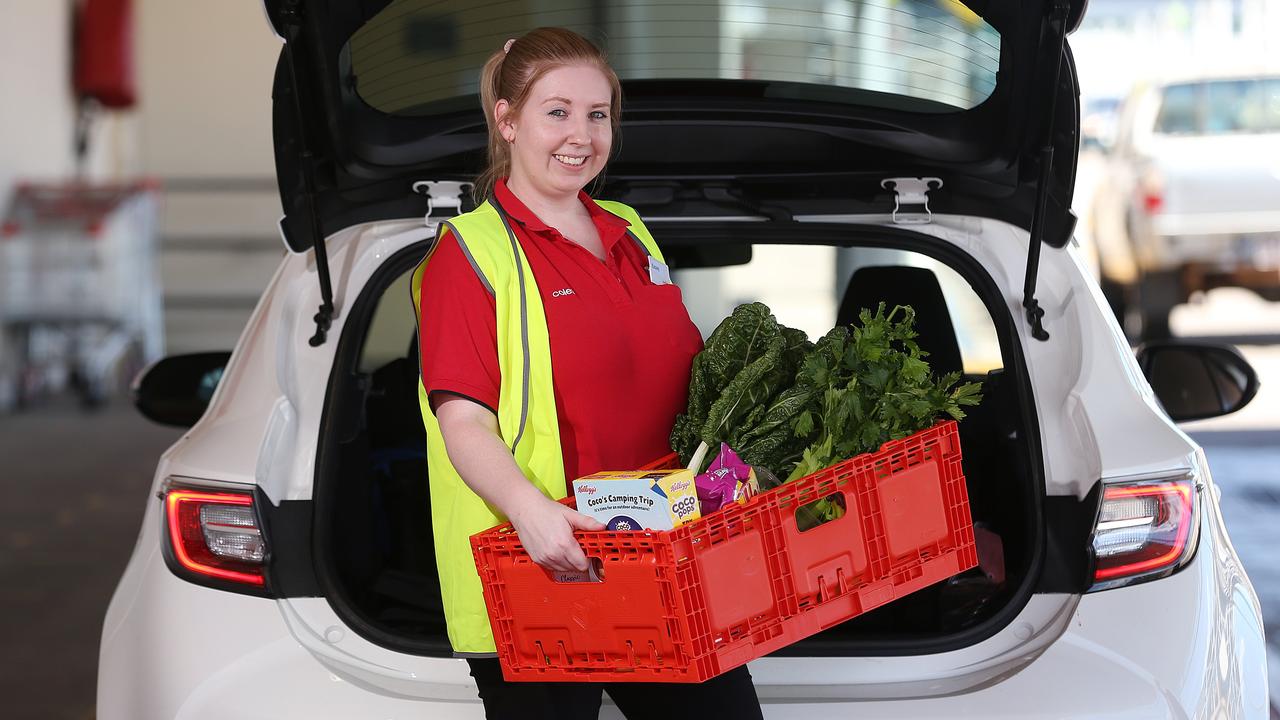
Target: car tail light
[
  {"x": 1151, "y": 192},
  {"x": 1145, "y": 530},
  {"x": 1152, "y": 201},
  {"x": 215, "y": 537}
]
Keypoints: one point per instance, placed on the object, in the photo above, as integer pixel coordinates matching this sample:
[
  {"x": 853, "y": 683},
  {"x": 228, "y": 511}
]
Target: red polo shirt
[{"x": 621, "y": 347}]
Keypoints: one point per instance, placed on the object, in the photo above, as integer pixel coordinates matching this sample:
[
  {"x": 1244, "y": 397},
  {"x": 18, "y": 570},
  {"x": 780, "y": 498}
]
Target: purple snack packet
[{"x": 723, "y": 483}]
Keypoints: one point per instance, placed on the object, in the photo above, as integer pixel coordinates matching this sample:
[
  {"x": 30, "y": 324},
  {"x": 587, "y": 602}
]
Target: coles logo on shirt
[{"x": 562, "y": 292}]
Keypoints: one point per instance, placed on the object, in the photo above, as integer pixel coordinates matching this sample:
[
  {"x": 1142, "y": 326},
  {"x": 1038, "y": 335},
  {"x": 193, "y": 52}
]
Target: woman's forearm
[
  {"x": 482, "y": 459},
  {"x": 477, "y": 452}
]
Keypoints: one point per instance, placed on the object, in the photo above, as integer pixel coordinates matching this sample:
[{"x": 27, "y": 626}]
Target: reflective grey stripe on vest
[
  {"x": 640, "y": 244},
  {"x": 467, "y": 252},
  {"x": 524, "y": 327},
  {"x": 524, "y": 311}
]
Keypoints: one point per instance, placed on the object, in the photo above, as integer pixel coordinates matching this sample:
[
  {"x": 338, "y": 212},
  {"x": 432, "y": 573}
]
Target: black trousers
[{"x": 730, "y": 695}]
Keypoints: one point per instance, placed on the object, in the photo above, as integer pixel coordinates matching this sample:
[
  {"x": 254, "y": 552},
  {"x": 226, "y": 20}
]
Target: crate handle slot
[
  {"x": 821, "y": 511},
  {"x": 593, "y": 574}
]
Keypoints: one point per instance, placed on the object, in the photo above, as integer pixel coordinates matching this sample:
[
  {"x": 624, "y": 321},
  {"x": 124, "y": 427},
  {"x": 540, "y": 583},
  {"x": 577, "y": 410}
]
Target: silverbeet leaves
[
  {"x": 796, "y": 407},
  {"x": 734, "y": 383}
]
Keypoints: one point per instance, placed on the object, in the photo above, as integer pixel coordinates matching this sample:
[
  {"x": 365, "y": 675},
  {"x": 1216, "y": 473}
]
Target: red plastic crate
[{"x": 688, "y": 604}]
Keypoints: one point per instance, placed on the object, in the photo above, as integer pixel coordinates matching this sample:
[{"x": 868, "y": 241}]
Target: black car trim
[
  {"x": 311, "y": 216},
  {"x": 1054, "y": 60},
  {"x": 1069, "y": 526},
  {"x": 287, "y": 527}
]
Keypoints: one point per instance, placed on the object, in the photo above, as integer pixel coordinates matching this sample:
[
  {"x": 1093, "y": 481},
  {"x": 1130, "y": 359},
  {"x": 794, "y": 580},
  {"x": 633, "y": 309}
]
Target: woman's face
[{"x": 560, "y": 139}]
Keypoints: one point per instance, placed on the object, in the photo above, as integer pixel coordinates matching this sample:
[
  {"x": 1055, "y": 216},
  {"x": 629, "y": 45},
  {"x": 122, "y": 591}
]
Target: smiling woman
[
  {"x": 565, "y": 115},
  {"x": 537, "y": 315}
]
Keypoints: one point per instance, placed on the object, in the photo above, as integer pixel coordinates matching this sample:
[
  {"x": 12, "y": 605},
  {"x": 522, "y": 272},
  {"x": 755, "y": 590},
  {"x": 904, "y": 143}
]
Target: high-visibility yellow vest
[{"x": 527, "y": 417}]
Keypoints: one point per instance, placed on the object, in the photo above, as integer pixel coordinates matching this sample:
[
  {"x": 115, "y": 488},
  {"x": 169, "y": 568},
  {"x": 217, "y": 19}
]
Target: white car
[
  {"x": 1189, "y": 199},
  {"x": 285, "y": 568}
]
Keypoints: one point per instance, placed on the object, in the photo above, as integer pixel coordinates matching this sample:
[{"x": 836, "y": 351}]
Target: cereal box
[{"x": 638, "y": 499}]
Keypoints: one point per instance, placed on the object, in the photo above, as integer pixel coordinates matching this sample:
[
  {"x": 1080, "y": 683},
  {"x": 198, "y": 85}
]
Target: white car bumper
[{"x": 1190, "y": 645}]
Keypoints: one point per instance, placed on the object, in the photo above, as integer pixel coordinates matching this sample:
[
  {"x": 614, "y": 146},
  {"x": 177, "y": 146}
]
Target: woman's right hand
[{"x": 545, "y": 528}]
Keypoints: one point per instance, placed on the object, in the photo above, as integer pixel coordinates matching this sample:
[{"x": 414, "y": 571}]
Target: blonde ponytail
[{"x": 499, "y": 162}]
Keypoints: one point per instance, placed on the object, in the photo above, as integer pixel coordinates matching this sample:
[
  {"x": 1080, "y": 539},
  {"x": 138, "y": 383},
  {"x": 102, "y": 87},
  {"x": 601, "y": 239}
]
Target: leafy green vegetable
[
  {"x": 875, "y": 387},
  {"x": 745, "y": 363},
  {"x": 770, "y": 441},
  {"x": 746, "y": 399},
  {"x": 775, "y": 441},
  {"x": 731, "y": 346},
  {"x": 797, "y": 407}
]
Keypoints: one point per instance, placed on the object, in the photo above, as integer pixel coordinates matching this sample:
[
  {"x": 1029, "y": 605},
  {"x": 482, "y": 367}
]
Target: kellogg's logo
[
  {"x": 679, "y": 485},
  {"x": 587, "y": 489}
]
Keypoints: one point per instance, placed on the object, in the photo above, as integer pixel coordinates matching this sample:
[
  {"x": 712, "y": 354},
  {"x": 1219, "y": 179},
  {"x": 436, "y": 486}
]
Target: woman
[{"x": 553, "y": 345}]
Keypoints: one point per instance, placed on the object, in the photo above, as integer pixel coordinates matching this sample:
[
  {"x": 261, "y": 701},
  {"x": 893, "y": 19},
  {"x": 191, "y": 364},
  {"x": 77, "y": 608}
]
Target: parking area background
[
  {"x": 73, "y": 485},
  {"x": 73, "y": 488}
]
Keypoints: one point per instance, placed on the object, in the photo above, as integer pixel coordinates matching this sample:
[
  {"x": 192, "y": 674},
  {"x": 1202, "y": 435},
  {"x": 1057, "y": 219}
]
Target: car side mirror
[
  {"x": 176, "y": 390},
  {"x": 1194, "y": 381}
]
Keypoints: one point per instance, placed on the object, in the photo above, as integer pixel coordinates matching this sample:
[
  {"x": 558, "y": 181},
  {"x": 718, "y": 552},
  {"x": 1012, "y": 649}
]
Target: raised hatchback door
[{"x": 804, "y": 101}]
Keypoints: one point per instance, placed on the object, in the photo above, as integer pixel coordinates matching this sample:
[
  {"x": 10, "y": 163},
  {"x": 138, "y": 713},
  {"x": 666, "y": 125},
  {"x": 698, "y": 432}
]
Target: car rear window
[
  {"x": 1220, "y": 107},
  {"x": 419, "y": 57}
]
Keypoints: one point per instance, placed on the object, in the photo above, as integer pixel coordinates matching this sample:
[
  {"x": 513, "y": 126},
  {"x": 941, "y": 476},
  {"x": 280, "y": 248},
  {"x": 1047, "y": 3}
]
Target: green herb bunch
[{"x": 870, "y": 384}]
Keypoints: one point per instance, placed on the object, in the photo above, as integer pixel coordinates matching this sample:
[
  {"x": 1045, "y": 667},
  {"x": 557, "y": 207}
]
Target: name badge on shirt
[{"x": 659, "y": 273}]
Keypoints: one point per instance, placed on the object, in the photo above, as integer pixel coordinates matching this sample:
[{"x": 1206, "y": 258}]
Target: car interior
[{"x": 375, "y": 551}]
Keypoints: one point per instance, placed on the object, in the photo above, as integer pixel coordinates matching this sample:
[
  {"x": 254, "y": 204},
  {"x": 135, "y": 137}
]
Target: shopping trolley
[{"x": 80, "y": 294}]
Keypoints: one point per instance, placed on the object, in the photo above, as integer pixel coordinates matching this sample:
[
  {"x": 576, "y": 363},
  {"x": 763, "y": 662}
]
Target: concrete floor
[{"x": 74, "y": 486}]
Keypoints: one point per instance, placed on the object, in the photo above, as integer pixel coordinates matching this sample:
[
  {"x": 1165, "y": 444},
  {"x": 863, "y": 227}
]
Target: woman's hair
[{"x": 510, "y": 74}]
